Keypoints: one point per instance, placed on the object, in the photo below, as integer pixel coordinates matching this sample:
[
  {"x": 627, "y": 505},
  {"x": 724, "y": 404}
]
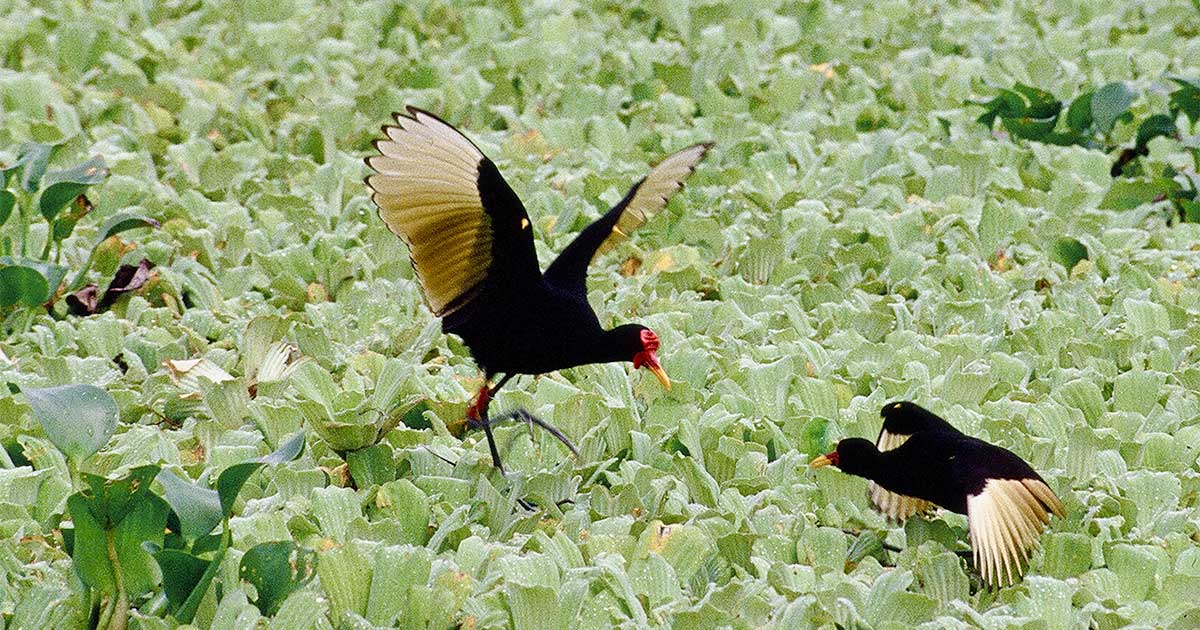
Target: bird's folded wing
[
  {"x": 1005, "y": 520},
  {"x": 440, "y": 194},
  {"x": 895, "y": 506},
  {"x": 643, "y": 200}
]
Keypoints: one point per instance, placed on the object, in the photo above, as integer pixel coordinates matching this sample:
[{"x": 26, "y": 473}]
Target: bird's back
[
  {"x": 945, "y": 467},
  {"x": 526, "y": 330}
]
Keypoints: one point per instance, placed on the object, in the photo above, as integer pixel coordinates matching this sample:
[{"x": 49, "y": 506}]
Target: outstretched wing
[
  {"x": 569, "y": 270},
  {"x": 1005, "y": 520},
  {"x": 463, "y": 224},
  {"x": 895, "y": 506}
]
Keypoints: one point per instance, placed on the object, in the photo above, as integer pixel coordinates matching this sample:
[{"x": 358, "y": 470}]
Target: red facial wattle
[
  {"x": 828, "y": 459},
  {"x": 648, "y": 358}
]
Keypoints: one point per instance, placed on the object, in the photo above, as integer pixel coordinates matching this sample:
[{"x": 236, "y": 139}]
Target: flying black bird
[
  {"x": 919, "y": 461},
  {"x": 471, "y": 245}
]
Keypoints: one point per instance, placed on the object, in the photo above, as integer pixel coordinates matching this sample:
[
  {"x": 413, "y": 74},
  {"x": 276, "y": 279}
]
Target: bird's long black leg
[
  {"x": 531, "y": 420},
  {"x": 477, "y": 416},
  {"x": 496, "y": 388}
]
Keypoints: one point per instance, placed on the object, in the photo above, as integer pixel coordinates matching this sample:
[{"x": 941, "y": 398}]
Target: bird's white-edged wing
[
  {"x": 441, "y": 195},
  {"x": 895, "y": 506},
  {"x": 1006, "y": 519},
  {"x": 644, "y": 199},
  {"x": 655, "y": 191}
]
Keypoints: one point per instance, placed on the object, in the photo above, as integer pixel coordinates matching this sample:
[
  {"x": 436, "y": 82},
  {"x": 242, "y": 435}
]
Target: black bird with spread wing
[
  {"x": 920, "y": 461},
  {"x": 471, "y": 245}
]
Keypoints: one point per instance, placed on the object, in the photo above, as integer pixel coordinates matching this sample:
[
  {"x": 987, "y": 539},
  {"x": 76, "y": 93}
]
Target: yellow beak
[
  {"x": 661, "y": 374},
  {"x": 820, "y": 462}
]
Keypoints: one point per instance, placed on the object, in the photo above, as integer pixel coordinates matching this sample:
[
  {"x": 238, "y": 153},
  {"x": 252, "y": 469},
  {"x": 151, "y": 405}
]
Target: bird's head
[
  {"x": 640, "y": 345},
  {"x": 855, "y": 456},
  {"x": 905, "y": 417}
]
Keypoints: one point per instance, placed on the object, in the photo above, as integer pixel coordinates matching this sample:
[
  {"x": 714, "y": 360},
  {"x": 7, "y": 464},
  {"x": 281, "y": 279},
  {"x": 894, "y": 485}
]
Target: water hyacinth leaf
[
  {"x": 1155, "y": 126},
  {"x": 35, "y": 157},
  {"x": 314, "y": 383},
  {"x": 181, "y": 573},
  {"x": 1006, "y": 104},
  {"x": 8, "y": 201},
  {"x": 22, "y": 285},
  {"x": 231, "y": 480},
  {"x": 399, "y": 571},
  {"x": 815, "y": 438},
  {"x": 1079, "y": 114},
  {"x": 78, "y": 419},
  {"x": 116, "y": 517},
  {"x": 187, "y": 610},
  {"x": 276, "y": 569},
  {"x": 1186, "y": 98},
  {"x": 943, "y": 578},
  {"x": 123, "y": 222},
  {"x": 1068, "y": 252},
  {"x": 199, "y": 509},
  {"x": 1110, "y": 103},
  {"x": 64, "y": 186},
  {"x": 345, "y": 573}
]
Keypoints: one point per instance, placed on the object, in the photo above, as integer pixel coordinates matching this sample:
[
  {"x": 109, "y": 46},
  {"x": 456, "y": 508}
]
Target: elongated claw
[{"x": 530, "y": 419}]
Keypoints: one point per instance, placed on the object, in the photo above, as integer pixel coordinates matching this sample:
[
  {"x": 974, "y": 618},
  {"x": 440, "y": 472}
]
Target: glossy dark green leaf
[
  {"x": 79, "y": 419},
  {"x": 1189, "y": 210},
  {"x": 64, "y": 186},
  {"x": 1155, "y": 126},
  {"x": 276, "y": 569},
  {"x": 111, "y": 499},
  {"x": 198, "y": 509},
  {"x": 1079, "y": 114},
  {"x": 1110, "y": 103},
  {"x": 230, "y": 483},
  {"x": 1030, "y": 128},
  {"x": 187, "y": 611},
  {"x": 291, "y": 448},
  {"x": 1186, "y": 98},
  {"x": 1040, "y": 103},
  {"x": 123, "y": 222},
  {"x": 62, "y": 228},
  {"x": 52, "y": 274},
  {"x": 1068, "y": 252},
  {"x": 22, "y": 285},
  {"x": 1006, "y": 104},
  {"x": 8, "y": 201},
  {"x": 181, "y": 574},
  {"x": 231, "y": 480},
  {"x": 143, "y": 519}
]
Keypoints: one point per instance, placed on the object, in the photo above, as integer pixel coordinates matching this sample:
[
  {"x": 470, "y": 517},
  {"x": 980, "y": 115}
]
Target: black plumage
[
  {"x": 471, "y": 244},
  {"x": 920, "y": 461}
]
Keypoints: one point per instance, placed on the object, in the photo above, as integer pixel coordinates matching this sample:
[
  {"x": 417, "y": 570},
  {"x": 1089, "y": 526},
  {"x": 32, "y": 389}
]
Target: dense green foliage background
[{"x": 855, "y": 237}]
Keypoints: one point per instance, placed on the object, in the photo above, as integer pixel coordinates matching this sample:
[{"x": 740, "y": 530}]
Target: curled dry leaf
[
  {"x": 186, "y": 374},
  {"x": 129, "y": 278}
]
